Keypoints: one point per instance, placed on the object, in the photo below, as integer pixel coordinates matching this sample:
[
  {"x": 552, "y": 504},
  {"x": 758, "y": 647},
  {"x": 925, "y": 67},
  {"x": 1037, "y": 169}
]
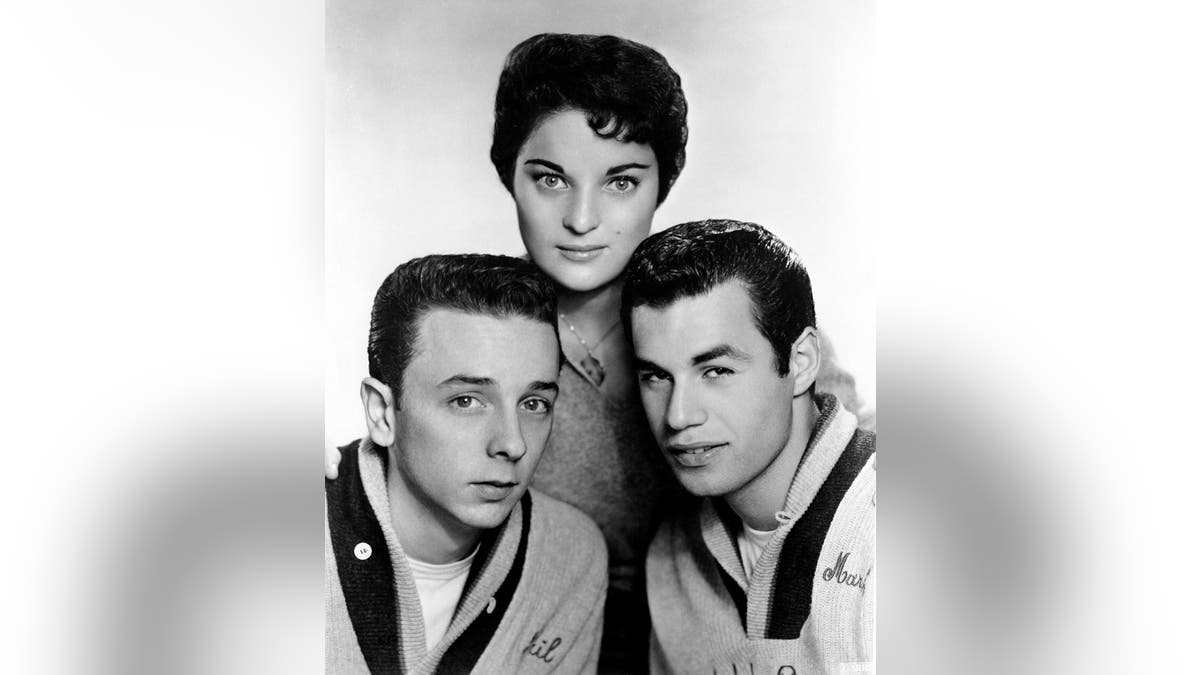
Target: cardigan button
[{"x": 362, "y": 551}]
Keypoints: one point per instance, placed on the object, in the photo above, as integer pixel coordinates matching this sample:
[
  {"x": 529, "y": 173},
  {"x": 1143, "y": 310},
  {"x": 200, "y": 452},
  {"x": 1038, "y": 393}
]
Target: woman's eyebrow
[
  {"x": 625, "y": 167},
  {"x": 546, "y": 163}
]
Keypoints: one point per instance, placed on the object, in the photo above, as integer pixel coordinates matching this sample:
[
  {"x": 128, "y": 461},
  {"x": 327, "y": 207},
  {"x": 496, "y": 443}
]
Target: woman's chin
[{"x": 582, "y": 280}]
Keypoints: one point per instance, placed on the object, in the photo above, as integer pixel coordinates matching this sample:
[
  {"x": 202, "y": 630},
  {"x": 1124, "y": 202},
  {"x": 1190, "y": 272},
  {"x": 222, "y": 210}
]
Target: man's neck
[
  {"x": 426, "y": 533},
  {"x": 757, "y": 502}
]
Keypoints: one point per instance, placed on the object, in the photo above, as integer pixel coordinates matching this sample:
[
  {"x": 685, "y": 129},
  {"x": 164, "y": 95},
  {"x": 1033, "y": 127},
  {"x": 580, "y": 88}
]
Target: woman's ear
[
  {"x": 805, "y": 361},
  {"x": 379, "y": 406}
]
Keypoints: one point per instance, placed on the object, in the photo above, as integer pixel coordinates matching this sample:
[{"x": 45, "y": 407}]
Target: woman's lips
[{"x": 581, "y": 253}]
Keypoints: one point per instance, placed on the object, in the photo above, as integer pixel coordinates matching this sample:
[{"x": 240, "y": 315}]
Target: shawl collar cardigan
[
  {"x": 809, "y": 606},
  {"x": 533, "y": 602}
]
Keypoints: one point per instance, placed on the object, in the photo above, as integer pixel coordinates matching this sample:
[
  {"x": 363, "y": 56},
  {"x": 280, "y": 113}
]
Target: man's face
[
  {"x": 473, "y": 415},
  {"x": 583, "y": 202},
  {"x": 718, "y": 407}
]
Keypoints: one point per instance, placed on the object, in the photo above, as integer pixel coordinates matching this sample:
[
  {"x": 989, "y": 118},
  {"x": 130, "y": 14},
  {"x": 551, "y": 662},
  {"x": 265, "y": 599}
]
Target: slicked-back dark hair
[
  {"x": 492, "y": 285},
  {"x": 627, "y": 90},
  {"x": 691, "y": 259}
]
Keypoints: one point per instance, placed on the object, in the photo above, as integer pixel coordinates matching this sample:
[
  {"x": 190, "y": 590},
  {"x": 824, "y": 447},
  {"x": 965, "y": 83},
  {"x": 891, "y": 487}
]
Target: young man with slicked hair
[
  {"x": 438, "y": 557},
  {"x": 769, "y": 567}
]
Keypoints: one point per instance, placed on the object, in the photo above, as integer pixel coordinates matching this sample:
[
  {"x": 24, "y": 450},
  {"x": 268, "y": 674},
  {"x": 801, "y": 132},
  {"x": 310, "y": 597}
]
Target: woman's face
[{"x": 583, "y": 202}]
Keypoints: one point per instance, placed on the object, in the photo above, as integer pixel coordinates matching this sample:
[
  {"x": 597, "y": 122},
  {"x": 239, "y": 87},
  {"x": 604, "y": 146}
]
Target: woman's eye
[
  {"x": 536, "y": 405},
  {"x": 552, "y": 182},
  {"x": 622, "y": 184}
]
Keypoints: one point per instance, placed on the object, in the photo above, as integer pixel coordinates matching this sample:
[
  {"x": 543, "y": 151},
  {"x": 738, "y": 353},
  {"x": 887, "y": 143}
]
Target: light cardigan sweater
[
  {"x": 810, "y": 605},
  {"x": 602, "y": 459},
  {"x": 533, "y": 602}
]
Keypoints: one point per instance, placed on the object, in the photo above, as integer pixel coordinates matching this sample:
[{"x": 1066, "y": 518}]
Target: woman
[{"x": 589, "y": 137}]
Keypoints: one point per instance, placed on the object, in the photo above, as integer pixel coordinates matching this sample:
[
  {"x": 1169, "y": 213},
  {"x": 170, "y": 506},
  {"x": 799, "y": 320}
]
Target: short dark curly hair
[
  {"x": 692, "y": 259},
  {"x": 627, "y": 90},
  {"x": 492, "y": 285}
]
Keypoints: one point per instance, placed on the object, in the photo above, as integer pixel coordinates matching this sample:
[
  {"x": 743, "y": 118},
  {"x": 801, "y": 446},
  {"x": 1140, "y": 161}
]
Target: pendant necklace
[{"x": 593, "y": 370}]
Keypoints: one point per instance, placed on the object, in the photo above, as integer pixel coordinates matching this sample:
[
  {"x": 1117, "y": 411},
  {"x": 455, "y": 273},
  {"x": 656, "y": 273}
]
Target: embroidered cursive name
[
  {"x": 838, "y": 574},
  {"x": 542, "y": 649}
]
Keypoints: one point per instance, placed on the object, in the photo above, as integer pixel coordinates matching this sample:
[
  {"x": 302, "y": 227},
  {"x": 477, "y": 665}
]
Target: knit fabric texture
[
  {"x": 602, "y": 459},
  {"x": 810, "y": 604},
  {"x": 533, "y": 602}
]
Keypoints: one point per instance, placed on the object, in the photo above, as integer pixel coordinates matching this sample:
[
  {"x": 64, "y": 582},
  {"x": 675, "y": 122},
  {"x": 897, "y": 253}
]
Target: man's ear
[
  {"x": 379, "y": 406},
  {"x": 805, "y": 361}
]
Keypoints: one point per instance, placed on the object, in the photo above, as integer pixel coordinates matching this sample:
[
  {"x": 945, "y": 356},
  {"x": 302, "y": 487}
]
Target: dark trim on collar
[
  {"x": 791, "y": 600},
  {"x": 369, "y": 586},
  {"x": 827, "y": 409},
  {"x": 733, "y": 526},
  {"x": 462, "y": 656}
]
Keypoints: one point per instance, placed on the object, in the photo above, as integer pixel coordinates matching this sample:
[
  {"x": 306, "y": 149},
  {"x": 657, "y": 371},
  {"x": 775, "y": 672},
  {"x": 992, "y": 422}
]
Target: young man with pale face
[
  {"x": 465, "y": 429},
  {"x": 771, "y": 566},
  {"x": 438, "y": 556}
]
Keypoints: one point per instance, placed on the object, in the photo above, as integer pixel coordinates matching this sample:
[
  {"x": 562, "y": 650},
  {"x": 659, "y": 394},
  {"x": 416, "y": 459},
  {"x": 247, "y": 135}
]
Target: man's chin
[
  {"x": 486, "y": 516},
  {"x": 700, "y": 485}
]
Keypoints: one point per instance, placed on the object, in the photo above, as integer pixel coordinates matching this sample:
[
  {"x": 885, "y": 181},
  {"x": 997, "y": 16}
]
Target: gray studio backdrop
[{"x": 782, "y": 133}]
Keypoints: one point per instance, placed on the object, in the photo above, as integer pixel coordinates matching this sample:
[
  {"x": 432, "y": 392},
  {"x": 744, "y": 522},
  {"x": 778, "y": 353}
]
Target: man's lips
[
  {"x": 494, "y": 490},
  {"x": 694, "y": 454},
  {"x": 677, "y": 448}
]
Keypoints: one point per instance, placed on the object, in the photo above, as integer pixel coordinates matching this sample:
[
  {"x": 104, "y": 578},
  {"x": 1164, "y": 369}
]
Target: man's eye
[
  {"x": 653, "y": 376},
  {"x": 717, "y": 371},
  {"x": 537, "y": 405},
  {"x": 466, "y": 402}
]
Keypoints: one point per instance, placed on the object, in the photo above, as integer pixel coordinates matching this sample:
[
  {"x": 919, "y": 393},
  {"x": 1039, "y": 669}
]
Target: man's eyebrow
[
  {"x": 625, "y": 167},
  {"x": 643, "y": 364},
  {"x": 467, "y": 379},
  {"x": 544, "y": 386},
  {"x": 546, "y": 163},
  {"x": 721, "y": 350}
]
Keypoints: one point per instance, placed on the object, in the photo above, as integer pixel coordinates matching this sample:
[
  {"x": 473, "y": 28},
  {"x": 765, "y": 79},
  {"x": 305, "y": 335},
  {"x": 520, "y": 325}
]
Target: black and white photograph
[{"x": 679, "y": 205}]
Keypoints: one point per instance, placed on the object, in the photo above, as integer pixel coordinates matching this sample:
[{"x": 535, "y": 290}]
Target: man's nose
[
  {"x": 507, "y": 440},
  {"x": 684, "y": 409}
]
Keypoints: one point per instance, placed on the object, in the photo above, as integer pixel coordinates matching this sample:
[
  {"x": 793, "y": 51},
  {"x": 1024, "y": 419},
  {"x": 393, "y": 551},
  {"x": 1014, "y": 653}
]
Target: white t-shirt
[
  {"x": 750, "y": 543},
  {"x": 439, "y": 587}
]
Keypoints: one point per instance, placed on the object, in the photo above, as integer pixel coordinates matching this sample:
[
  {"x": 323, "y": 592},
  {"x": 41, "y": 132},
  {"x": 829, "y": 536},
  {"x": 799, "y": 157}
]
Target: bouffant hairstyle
[{"x": 627, "y": 90}]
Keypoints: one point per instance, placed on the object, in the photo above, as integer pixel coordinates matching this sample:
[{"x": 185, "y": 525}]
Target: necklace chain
[
  {"x": 579, "y": 337},
  {"x": 592, "y": 368}
]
